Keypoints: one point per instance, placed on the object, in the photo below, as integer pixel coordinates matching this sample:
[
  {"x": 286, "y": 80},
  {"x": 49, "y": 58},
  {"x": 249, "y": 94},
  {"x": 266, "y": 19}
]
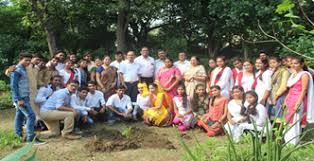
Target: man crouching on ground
[{"x": 57, "y": 108}]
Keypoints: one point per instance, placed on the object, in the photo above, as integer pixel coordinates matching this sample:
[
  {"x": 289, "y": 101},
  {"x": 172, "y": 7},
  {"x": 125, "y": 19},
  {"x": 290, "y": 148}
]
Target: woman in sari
[
  {"x": 299, "y": 101},
  {"x": 169, "y": 77},
  {"x": 106, "y": 77},
  {"x": 195, "y": 75},
  {"x": 160, "y": 112},
  {"x": 214, "y": 120}
]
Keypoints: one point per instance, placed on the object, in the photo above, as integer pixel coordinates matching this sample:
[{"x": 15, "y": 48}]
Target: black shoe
[{"x": 39, "y": 142}]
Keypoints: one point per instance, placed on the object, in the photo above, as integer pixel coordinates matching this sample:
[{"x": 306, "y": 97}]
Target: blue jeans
[
  {"x": 132, "y": 90},
  {"x": 79, "y": 119},
  {"x": 111, "y": 116},
  {"x": 27, "y": 113},
  {"x": 277, "y": 111}
]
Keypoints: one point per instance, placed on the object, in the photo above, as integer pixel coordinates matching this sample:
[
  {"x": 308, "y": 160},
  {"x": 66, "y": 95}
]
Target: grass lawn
[
  {"x": 61, "y": 149},
  {"x": 144, "y": 143}
]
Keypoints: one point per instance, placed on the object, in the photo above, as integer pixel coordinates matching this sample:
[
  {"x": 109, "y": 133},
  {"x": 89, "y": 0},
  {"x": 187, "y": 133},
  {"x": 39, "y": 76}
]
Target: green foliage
[
  {"x": 5, "y": 96},
  {"x": 298, "y": 35},
  {"x": 302, "y": 43},
  {"x": 9, "y": 139},
  {"x": 4, "y": 86},
  {"x": 6, "y": 100},
  {"x": 126, "y": 132}
]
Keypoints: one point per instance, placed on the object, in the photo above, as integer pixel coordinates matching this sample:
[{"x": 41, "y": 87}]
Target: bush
[
  {"x": 5, "y": 96},
  {"x": 6, "y": 100},
  {"x": 4, "y": 87}
]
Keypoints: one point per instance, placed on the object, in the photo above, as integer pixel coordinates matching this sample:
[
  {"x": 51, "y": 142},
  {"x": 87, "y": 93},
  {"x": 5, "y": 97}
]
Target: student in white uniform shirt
[
  {"x": 252, "y": 113},
  {"x": 147, "y": 65},
  {"x": 222, "y": 76},
  {"x": 245, "y": 78},
  {"x": 130, "y": 75},
  {"x": 61, "y": 56},
  {"x": 182, "y": 64},
  {"x": 160, "y": 62},
  {"x": 262, "y": 81},
  {"x": 79, "y": 103},
  {"x": 68, "y": 73},
  {"x": 119, "y": 105},
  {"x": 46, "y": 91},
  {"x": 117, "y": 64},
  {"x": 95, "y": 101}
]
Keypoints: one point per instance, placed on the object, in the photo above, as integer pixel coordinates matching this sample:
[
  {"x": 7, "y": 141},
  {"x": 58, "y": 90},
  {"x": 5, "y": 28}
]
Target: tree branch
[
  {"x": 258, "y": 42},
  {"x": 282, "y": 44},
  {"x": 305, "y": 15}
]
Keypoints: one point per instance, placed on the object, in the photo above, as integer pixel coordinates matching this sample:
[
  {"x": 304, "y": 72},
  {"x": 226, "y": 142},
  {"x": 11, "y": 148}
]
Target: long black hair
[
  {"x": 243, "y": 109},
  {"x": 185, "y": 96},
  {"x": 195, "y": 98},
  {"x": 302, "y": 63},
  {"x": 214, "y": 97},
  {"x": 251, "y": 109}
]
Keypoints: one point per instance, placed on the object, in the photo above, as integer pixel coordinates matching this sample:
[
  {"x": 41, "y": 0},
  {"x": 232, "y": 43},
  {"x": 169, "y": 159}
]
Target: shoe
[
  {"x": 71, "y": 136},
  {"x": 77, "y": 131},
  {"x": 111, "y": 122},
  {"x": 39, "y": 142},
  {"x": 135, "y": 118}
]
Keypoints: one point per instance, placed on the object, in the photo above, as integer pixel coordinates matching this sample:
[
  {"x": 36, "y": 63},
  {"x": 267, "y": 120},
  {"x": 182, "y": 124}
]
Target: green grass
[
  {"x": 9, "y": 140},
  {"x": 253, "y": 147}
]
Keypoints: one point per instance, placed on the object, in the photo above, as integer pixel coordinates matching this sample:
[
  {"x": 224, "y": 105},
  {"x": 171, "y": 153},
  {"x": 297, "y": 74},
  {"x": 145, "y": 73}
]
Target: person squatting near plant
[{"x": 77, "y": 92}]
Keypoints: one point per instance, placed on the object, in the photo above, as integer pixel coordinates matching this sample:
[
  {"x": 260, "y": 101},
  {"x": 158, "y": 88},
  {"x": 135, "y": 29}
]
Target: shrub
[
  {"x": 6, "y": 100},
  {"x": 5, "y": 96},
  {"x": 4, "y": 86}
]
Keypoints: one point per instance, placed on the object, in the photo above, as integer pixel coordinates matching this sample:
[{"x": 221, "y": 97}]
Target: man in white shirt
[
  {"x": 117, "y": 63},
  {"x": 79, "y": 103},
  {"x": 60, "y": 55},
  {"x": 130, "y": 75},
  {"x": 120, "y": 106},
  {"x": 160, "y": 62},
  {"x": 147, "y": 64},
  {"x": 95, "y": 101},
  {"x": 46, "y": 91},
  {"x": 182, "y": 64}
]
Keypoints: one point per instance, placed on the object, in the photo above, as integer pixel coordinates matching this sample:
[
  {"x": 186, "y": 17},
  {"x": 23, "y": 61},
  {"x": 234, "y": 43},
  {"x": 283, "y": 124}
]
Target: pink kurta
[
  {"x": 167, "y": 77},
  {"x": 291, "y": 100}
]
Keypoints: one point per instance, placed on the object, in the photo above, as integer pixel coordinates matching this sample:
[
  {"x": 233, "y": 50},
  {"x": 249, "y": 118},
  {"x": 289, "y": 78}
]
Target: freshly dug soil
[{"x": 109, "y": 140}]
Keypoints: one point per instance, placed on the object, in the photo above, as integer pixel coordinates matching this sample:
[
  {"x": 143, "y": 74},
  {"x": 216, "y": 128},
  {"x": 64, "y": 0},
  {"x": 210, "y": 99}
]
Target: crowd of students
[{"x": 160, "y": 92}]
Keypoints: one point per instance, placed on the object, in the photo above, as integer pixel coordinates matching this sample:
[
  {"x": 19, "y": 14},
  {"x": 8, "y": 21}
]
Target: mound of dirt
[{"x": 109, "y": 140}]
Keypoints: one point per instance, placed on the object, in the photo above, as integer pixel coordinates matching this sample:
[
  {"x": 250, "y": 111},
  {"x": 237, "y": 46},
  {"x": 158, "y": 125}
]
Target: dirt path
[{"x": 122, "y": 142}]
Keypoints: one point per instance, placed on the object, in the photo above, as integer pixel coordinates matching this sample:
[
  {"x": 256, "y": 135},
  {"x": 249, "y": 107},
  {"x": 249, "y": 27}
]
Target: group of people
[{"x": 160, "y": 92}]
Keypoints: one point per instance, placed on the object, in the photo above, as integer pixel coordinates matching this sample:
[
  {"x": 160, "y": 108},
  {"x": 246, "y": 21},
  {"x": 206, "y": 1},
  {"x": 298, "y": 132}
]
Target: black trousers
[
  {"x": 132, "y": 90},
  {"x": 147, "y": 80}
]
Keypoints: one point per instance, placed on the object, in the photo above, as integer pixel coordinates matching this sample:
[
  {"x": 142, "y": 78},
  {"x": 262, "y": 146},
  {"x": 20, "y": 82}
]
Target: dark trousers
[
  {"x": 147, "y": 80},
  {"x": 132, "y": 90}
]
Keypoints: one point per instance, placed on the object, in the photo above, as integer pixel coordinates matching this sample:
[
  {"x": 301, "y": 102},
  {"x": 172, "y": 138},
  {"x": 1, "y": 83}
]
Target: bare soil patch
[{"x": 109, "y": 140}]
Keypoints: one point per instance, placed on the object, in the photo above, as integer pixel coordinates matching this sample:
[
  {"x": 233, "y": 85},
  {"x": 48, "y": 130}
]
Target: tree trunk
[
  {"x": 122, "y": 25},
  {"x": 42, "y": 14},
  {"x": 212, "y": 45},
  {"x": 245, "y": 50},
  {"x": 51, "y": 40}
]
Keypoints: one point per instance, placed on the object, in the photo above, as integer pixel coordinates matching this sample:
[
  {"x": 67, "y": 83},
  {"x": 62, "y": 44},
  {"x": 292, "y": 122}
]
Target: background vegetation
[{"x": 200, "y": 27}]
